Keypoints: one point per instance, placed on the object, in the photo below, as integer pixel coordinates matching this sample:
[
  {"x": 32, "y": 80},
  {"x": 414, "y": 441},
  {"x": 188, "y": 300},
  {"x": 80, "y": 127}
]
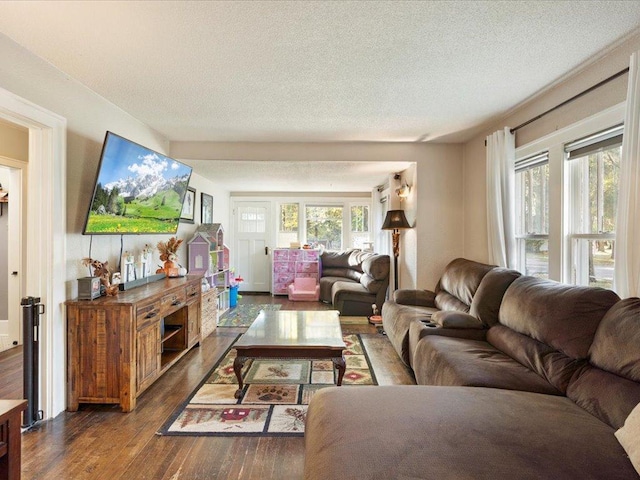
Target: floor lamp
[{"x": 395, "y": 220}]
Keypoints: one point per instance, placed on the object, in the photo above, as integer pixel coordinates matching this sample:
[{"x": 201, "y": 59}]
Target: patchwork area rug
[
  {"x": 243, "y": 314},
  {"x": 275, "y": 397}
]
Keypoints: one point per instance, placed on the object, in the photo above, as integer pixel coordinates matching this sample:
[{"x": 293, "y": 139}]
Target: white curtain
[
  {"x": 501, "y": 154},
  {"x": 627, "y": 248}
]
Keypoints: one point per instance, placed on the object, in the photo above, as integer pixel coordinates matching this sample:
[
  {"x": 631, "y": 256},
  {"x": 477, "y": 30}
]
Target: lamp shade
[{"x": 395, "y": 219}]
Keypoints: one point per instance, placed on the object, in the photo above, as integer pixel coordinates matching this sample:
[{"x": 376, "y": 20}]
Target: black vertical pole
[{"x": 30, "y": 324}]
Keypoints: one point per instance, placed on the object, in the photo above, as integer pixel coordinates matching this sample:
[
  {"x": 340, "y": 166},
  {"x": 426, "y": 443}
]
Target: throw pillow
[{"x": 629, "y": 437}]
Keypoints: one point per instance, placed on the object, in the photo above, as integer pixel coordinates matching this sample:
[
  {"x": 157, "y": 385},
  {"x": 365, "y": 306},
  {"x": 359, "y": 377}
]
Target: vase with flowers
[{"x": 169, "y": 255}]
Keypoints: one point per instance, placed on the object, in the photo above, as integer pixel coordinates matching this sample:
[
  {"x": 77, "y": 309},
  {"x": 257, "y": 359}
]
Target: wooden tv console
[{"x": 118, "y": 346}]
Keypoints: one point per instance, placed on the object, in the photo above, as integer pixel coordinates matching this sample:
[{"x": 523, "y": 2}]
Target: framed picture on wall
[
  {"x": 207, "y": 208},
  {"x": 189, "y": 206}
]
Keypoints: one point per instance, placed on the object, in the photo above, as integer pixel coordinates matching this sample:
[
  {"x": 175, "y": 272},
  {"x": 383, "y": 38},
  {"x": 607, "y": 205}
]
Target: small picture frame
[
  {"x": 206, "y": 215},
  {"x": 189, "y": 206}
]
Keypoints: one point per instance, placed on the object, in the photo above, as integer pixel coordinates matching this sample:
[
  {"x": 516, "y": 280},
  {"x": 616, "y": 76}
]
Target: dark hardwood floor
[{"x": 100, "y": 442}]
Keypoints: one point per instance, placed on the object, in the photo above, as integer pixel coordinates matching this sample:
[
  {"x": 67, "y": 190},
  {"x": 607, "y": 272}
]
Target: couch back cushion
[
  {"x": 459, "y": 283},
  {"x": 609, "y": 385},
  {"x": 376, "y": 266},
  {"x": 341, "y": 272},
  {"x": 336, "y": 259},
  {"x": 487, "y": 299},
  {"x": 616, "y": 346},
  {"x": 376, "y": 273},
  {"x": 564, "y": 317}
]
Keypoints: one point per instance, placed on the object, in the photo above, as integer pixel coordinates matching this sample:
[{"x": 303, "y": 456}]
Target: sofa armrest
[
  {"x": 422, "y": 298},
  {"x": 453, "y": 319}
]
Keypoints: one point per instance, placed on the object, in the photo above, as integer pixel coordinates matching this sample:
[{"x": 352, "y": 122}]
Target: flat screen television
[{"x": 137, "y": 190}]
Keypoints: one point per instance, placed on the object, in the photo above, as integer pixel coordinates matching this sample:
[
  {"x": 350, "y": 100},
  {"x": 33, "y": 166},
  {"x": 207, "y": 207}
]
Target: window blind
[
  {"x": 532, "y": 161},
  {"x": 598, "y": 142}
]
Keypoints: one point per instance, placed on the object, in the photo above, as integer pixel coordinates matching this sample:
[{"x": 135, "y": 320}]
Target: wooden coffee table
[{"x": 292, "y": 334}]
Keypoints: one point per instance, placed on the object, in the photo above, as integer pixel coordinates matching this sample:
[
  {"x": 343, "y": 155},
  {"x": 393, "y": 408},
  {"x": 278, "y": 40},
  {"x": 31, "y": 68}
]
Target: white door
[
  {"x": 251, "y": 245},
  {"x": 15, "y": 256},
  {"x": 12, "y": 331}
]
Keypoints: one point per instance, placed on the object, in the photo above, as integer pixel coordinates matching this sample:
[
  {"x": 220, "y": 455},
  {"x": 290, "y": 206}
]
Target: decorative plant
[
  {"x": 168, "y": 254},
  {"x": 168, "y": 250}
]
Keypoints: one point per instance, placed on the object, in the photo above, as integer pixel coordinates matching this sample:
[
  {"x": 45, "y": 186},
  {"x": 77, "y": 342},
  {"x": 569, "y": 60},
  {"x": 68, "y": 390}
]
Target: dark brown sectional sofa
[
  {"x": 530, "y": 384},
  {"x": 354, "y": 280}
]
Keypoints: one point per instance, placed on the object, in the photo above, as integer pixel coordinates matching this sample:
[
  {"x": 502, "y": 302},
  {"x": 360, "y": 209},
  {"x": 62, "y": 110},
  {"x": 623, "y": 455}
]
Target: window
[
  {"x": 532, "y": 214},
  {"x": 288, "y": 222},
  {"x": 594, "y": 166},
  {"x": 360, "y": 233},
  {"x": 324, "y": 226}
]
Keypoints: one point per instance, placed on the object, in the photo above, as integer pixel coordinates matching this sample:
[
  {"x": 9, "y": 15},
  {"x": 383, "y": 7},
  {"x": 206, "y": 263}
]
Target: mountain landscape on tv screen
[{"x": 147, "y": 200}]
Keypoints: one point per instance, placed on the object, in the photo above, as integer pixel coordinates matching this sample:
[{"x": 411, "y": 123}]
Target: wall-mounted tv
[{"x": 137, "y": 190}]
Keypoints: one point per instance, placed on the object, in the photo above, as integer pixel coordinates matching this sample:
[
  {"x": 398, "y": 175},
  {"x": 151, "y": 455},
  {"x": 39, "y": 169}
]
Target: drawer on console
[
  {"x": 174, "y": 299},
  {"x": 192, "y": 290},
  {"x": 147, "y": 313}
]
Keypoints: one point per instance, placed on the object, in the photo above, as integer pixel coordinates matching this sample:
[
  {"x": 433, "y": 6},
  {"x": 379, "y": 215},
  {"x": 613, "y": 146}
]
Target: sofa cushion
[
  {"x": 616, "y": 345},
  {"x": 488, "y": 297},
  {"x": 447, "y": 433},
  {"x": 605, "y": 395},
  {"x": 377, "y": 266},
  {"x": 453, "y": 319},
  {"x": 396, "y": 320},
  {"x": 351, "y": 298},
  {"x": 553, "y": 365},
  {"x": 446, "y": 301},
  {"x": 326, "y": 286},
  {"x": 336, "y": 259},
  {"x": 342, "y": 273},
  {"x": 460, "y": 280},
  {"x": 446, "y": 361},
  {"x": 563, "y": 316},
  {"x": 608, "y": 386},
  {"x": 418, "y": 330},
  {"x": 371, "y": 285},
  {"x": 422, "y": 298}
]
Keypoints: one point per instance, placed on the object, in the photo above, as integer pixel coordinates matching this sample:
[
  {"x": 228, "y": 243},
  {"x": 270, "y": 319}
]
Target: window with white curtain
[
  {"x": 288, "y": 224},
  {"x": 532, "y": 214},
  {"x": 360, "y": 227},
  {"x": 324, "y": 225},
  {"x": 593, "y": 168}
]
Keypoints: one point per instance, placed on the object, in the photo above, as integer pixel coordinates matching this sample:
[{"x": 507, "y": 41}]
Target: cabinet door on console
[
  {"x": 97, "y": 343},
  {"x": 148, "y": 355},
  {"x": 193, "y": 331}
]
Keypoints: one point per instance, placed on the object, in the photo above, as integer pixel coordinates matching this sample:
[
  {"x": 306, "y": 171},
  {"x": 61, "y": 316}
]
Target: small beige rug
[{"x": 353, "y": 320}]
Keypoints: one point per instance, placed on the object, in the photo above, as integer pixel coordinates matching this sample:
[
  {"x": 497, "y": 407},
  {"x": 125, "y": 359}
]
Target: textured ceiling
[
  {"x": 281, "y": 176},
  {"x": 316, "y": 71}
]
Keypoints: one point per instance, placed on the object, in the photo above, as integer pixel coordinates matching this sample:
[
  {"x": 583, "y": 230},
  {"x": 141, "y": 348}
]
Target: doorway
[
  {"x": 251, "y": 244},
  {"x": 11, "y": 261},
  {"x": 45, "y": 251}
]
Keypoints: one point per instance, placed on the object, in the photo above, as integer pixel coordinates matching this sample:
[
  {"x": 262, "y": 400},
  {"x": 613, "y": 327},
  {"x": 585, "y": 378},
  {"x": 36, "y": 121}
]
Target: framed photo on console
[
  {"x": 206, "y": 215},
  {"x": 189, "y": 206}
]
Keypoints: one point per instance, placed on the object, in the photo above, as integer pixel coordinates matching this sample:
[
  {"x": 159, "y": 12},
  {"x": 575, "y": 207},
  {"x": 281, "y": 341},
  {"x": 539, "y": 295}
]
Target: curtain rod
[{"x": 575, "y": 97}]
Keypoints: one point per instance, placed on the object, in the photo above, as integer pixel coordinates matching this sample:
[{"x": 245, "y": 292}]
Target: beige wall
[
  {"x": 610, "y": 62},
  {"x": 89, "y": 116},
  {"x": 14, "y": 141}
]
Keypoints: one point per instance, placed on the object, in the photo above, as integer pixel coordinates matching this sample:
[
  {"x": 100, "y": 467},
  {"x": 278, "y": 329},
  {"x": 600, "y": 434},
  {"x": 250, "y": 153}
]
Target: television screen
[{"x": 137, "y": 191}]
